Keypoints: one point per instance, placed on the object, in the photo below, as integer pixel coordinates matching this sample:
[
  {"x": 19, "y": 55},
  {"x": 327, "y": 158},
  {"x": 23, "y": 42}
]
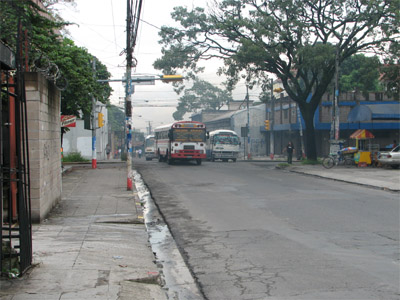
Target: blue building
[{"x": 374, "y": 112}]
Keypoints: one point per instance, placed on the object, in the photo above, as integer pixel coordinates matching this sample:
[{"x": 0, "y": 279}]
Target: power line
[{"x": 115, "y": 35}]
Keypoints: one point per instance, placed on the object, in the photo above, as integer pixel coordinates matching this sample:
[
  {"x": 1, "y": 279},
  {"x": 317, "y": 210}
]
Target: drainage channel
[{"x": 178, "y": 281}]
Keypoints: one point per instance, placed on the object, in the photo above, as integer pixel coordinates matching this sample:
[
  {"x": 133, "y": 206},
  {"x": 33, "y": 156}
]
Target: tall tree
[
  {"x": 299, "y": 41},
  {"x": 201, "y": 96},
  {"x": 48, "y": 47},
  {"x": 360, "y": 73}
]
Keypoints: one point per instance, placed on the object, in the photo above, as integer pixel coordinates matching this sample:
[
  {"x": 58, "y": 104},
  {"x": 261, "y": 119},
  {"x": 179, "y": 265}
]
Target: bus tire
[
  {"x": 198, "y": 161},
  {"x": 170, "y": 161}
]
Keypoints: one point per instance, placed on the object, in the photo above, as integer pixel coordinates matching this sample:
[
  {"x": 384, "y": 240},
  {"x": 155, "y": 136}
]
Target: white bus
[
  {"x": 149, "y": 147},
  {"x": 183, "y": 140},
  {"x": 223, "y": 144}
]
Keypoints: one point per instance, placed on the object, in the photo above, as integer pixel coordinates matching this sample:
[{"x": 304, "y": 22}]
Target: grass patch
[
  {"x": 283, "y": 165},
  {"x": 74, "y": 157},
  {"x": 310, "y": 162}
]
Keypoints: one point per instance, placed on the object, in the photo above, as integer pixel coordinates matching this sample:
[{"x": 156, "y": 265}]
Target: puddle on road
[{"x": 178, "y": 281}]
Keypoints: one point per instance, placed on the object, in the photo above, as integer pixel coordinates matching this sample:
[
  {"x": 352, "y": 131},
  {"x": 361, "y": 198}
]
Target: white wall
[{"x": 80, "y": 140}]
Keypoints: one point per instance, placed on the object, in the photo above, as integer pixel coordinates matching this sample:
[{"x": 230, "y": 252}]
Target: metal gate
[{"x": 15, "y": 207}]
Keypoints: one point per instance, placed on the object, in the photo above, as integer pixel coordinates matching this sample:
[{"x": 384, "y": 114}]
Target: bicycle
[{"x": 337, "y": 159}]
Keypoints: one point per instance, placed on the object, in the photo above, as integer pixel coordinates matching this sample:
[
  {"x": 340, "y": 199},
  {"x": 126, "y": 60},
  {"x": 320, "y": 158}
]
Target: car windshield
[{"x": 397, "y": 149}]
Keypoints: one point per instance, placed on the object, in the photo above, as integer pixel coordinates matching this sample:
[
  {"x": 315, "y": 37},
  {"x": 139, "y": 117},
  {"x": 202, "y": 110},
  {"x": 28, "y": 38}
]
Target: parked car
[{"x": 391, "y": 158}]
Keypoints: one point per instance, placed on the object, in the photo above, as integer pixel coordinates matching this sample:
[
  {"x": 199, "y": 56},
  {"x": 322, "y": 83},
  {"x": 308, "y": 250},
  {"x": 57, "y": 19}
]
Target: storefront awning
[{"x": 362, "y": 134}]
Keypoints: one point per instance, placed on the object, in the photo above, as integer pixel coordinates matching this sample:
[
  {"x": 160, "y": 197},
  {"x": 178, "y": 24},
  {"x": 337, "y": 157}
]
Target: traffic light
[
  {"x": 266, "y": 124},
  {"x": 100, "y": 119},
  {"x": 169, "y": 78}
]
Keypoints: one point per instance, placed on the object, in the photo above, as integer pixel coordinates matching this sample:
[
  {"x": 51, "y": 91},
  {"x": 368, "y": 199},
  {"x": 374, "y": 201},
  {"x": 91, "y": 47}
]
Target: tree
[
  {"x": 47, "y": 46},
  {"x": 391, "y": 79},
  {"x": 299, "y": 41},
  {"x": 360, "y": 73},
  {"x": 201, "y": 96}
]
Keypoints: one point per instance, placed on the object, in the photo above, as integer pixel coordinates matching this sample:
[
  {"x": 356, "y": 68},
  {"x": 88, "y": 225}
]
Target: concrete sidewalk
[
  {"x": 384, "y": 178},
  {"x": 381, "y": 178},
  {"x": 94, "y": 245}
]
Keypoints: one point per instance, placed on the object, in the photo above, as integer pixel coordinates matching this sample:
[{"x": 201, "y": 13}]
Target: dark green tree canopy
[
  {"x": 74, "y": 63},
  {"x": 360, "y": 73},
  {"x": 201, "y": 96},
  {"x": 298, "y": 41}
]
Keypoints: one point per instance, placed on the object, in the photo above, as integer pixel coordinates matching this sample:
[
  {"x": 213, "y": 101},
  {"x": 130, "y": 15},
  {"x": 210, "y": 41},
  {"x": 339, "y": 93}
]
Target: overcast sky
[{"x": 101, "y": 28}]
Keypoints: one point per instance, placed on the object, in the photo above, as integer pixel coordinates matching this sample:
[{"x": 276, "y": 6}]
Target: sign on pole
[
  {"x": 68, "y": 121},
  {"x": 243, "y": 131}
]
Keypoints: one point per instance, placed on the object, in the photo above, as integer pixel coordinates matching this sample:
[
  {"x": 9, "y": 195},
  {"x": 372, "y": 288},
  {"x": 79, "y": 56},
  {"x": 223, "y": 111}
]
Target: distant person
[
  {"x": 108, "y": 151},
  {"x": 394, "y": 144},
  {"x": 289, "y": 149},
  {"x": 140, "y": 153}
]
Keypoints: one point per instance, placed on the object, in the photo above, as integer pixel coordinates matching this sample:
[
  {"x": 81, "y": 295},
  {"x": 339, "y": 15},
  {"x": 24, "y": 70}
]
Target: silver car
[{"x": 391, "y": 158}]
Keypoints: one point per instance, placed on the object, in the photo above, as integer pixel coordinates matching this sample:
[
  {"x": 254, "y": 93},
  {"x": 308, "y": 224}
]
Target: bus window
[{"x": 188, "y": 135}]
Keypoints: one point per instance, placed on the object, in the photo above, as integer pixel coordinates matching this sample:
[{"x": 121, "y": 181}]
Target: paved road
[{"x": 249, "y": 231}]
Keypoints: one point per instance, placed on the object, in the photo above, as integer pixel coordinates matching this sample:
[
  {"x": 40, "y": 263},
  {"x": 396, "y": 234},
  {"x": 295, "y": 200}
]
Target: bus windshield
[
  {"x": 188, "y": 135},
  {"x": 150, "y": 142},
  {"x": 226, "y": 139}
]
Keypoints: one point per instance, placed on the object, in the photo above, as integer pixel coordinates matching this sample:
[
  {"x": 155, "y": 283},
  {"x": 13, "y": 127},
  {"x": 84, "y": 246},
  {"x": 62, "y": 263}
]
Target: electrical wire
[{"x": 115, "y": 35}]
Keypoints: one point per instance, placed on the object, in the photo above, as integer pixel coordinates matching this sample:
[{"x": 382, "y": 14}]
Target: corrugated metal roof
[{"x": 366, "y": 112}]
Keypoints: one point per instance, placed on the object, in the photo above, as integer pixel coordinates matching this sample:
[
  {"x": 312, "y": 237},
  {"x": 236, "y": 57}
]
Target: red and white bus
[{"x": 183, "y": 140}]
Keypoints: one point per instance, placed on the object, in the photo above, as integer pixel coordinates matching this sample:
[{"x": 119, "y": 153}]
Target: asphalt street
[{"x": 249, "y": 231}]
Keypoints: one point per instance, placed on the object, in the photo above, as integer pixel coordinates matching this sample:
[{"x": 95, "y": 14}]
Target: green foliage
[
  {"x": 360, "y": 73},
  {"x": 201, "y": 96},
  {"x": 74, "y": 157},
  {"x": 77, "y": 67},
  {"x": 296, "y": 40},
  {"x": 283, "y": 165},
  {"x": 310, "y": 162},
  {"x": 74, "y": 63}
]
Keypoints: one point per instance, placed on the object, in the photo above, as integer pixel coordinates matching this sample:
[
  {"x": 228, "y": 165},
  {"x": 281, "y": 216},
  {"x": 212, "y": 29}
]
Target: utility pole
[
  {"x": 128, "y": 100},
  {"x": 337, "y": 94},
  {"x": 271, "y": 122},
  {"x": 248, "y": 123},
  {"x": 303, "y": 153},
  {"x": 335, "y": 143},
  {"x": 93, "y": 117}
]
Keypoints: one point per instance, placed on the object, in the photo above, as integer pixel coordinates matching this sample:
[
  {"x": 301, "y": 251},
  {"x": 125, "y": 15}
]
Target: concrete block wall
[{"x": 44, "y": 138}]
